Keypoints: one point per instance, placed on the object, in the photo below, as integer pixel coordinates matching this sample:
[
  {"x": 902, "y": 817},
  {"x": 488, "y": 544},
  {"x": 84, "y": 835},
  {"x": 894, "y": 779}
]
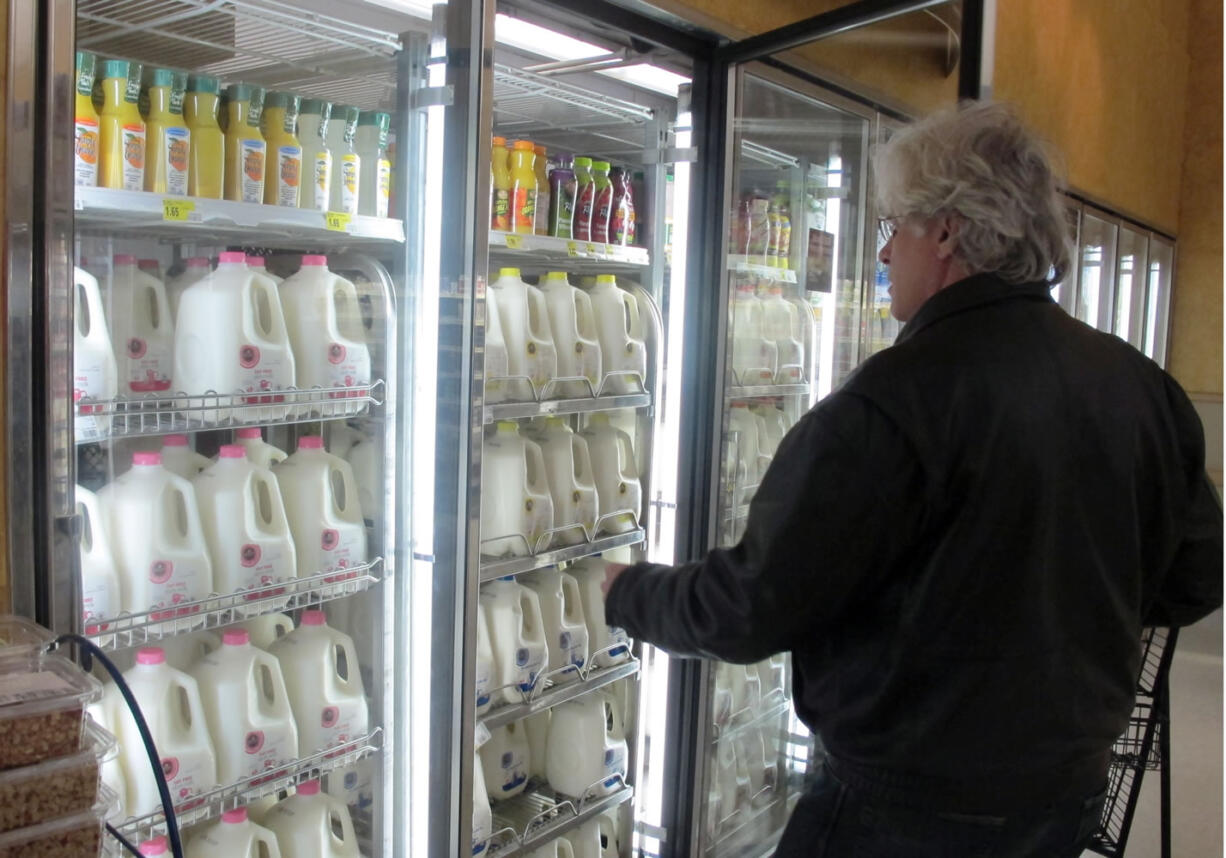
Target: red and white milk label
[{"x": 148, "y": 365}]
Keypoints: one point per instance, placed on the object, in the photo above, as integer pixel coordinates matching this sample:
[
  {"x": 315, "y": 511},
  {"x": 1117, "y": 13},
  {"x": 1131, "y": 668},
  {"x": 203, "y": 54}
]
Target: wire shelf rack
[
  {"x": 494, "y": 567},
  {"x": 550, "y": 691},
  {"x": 541, "y": 814}
]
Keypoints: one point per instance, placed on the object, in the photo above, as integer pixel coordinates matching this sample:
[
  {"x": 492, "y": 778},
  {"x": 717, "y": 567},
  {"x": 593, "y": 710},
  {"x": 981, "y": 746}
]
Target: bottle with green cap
[
  {"x": 121, "y": 162},
  {"x": 313, "y": 124},
  {"x": 85, "y": 153},
  {"x": 245, "y": 148},
  {"x": 346, "y": 165},
  {"x": 208, "y": 149},
  {"x": 167, "y": 136},
  {"x": 283, "y": 176},
  {"x": 376, "y": 177}
]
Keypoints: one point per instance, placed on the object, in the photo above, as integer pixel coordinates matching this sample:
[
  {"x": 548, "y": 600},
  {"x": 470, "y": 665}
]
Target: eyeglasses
[{"x": 886, "y": 227}]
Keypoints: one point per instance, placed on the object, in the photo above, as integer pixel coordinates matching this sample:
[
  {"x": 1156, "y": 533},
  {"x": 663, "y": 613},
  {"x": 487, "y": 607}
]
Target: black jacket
[{"x": 960, "y": 547}]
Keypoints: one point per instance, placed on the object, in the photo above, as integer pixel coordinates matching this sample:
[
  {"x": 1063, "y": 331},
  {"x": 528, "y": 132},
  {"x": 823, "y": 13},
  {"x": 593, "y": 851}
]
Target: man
[{"x": 961, "y": 545}]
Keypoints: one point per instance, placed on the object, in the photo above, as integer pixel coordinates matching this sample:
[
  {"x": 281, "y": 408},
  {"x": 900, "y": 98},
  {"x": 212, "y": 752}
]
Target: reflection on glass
[
  {"x": 1158, "y": 298},
  {"x": 1096, "y": 281},
  {"x": 1130, "y": 286}
]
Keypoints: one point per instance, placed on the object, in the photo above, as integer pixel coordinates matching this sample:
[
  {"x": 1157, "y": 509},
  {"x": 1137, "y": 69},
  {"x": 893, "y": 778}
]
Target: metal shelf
[
  {"x": 492, "y": 569},
  {"x": 212, "y": 804},
  {"x": 556, "y": 407},
  {"x": 747, "y": 719},
  {"x": 532, "y": 819},
  {"x": 766, "y": 156},
  {"x": 226, "y": 221},
  {"x": 129, "y": 630},
  {"x": 553, "y": 695},
  {"x": 161, "y": 414},
  {"x": 744, "y": 264},
  {"x": 533, "y": 252},
  {"x": 756, "y": 391}
]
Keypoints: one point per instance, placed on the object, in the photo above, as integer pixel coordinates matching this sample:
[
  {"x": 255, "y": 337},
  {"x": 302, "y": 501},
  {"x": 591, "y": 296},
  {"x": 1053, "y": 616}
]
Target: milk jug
[
  {"x": 610, "y": 841},
  {"x": 195, "y": 268},
  {"x": 754, "y": 358},
  {"x": 607, "y": 645},
  {"x": 516, "y": 505},
  {"x": 568, "y": 468},
  {"x": 320, "y": 667},
  {"x": 321, "y": 502},
  {"x": 230, "y": 337},
  {"x": 158, "y": 542},
  {"x": 234, "y": 836},
  {"x": 772, "y": 428},
  {"x": 587, "y": 747},
  {"x": 245, "y": 526},
  {"x": 180, "y": 459},
  {"x": 782, "y": 326},
  {"x": 267, "y": 629},
  {"x": 184, "y": 651},
  {"x": 483, "y": 819},
  {"x": 595, "y": 839},
  {"x": 363, "y": 457},
  {"x": 247, "y": 709},
  {"x": 517, "y": 638},
  {"x": 259, "y": 266},
  {"x": 170, "y": 703},
  {"x": 142, "y": 331},
  {"x": 810, "y": 334},
  {"x": 312, "y": 824},
  {"x": 525, "y": 327},
  {"x": 259, "y": 452},
  {"x": 565, "y": 627},
  {"x": 749, "y": 449},
  {"x": 536, "y": 727},
  {"x": 485, "y": 665},
  {"x": 617, "y": 478},
  {"x": 497, "y": 361},
  {"x": 100, "y": 594},
  {"x": 621, "y": 329},
  {"x": 326, "y": 333},
  {"x": 94, "y": 372},
  {"x": 559, "y": 848},
  {"x": 504, "y": 761},
  {"x": 154, "y": 846},
  {"x": 573, "y": 324},
  {"x": 106, "y": 715}
]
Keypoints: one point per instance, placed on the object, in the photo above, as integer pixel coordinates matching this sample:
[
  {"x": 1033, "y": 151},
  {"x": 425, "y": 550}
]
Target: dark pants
[{"x": 834, "y": 821}]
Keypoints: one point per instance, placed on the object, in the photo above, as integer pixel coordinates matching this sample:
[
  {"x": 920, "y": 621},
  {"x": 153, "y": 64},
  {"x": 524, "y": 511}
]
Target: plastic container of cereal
[
  {"x": 76, "y": 835},
  {"x": 17, "y": 634},
  {"x": 42, "y": 708},
  {"x": 64, "y": 786}
]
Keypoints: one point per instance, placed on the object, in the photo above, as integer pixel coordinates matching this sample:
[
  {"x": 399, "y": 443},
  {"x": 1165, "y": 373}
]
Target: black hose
[{"x": 90, "y": 650}]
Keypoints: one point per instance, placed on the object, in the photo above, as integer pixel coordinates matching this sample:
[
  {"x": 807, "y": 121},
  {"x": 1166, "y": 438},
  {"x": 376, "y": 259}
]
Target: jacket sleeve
[{"x": 842, "y": 498}]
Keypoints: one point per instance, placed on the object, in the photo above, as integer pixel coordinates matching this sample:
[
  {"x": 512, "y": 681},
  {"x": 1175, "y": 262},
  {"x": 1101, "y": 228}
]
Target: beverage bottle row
[
  {"x": 232, "y": 330},
  {"x": 169, "y": 132},
  {"x": 177, "y": 528},
  {"x": 578, "y": 198},
  {"x": 762, "y": 227},
  {"x": 772, "y": 336}
]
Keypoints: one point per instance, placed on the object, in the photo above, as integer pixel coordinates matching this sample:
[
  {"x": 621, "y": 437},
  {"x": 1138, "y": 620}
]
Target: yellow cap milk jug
[
  {"x": 195, "y": 268},
  {"x": 312, "y": 824},
  {"x": 517, "y": 638},
  {"x": 100, "y": 594},
  {"x": 259, "y": 451},
  {"x": 516, "y": 505},
  {"x": 169, "y": 700},
  {"x": 621, "y": 328},
  {"x": 180, "y": 459},
  {"x": 497, "y": 361},
  {"x": 607, "y": 645},
  {"x": 141, "y": 328},
  {"x": 505, "y": 761},
  {"x": 616, "y": 472},
  {"x": 95, "y": 374},
  {"x": 587, "y": 747},
  {"x": 233, "y": 836},
  {"x": 782, "y": 325},
  {"x": 524, "y": 316},
  {"x": 565, "y": 627},
  {"x": 568, "y": 467},
  {"x": 483, "y": 819},
  {"x": 573, "y": 324},
  {"x": 320, "y": 667}
]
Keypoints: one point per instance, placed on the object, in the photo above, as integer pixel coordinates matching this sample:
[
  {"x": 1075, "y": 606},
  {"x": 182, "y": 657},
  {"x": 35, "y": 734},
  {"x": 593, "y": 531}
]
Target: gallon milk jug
[
  {"x": 568, "y": 467},
  {"x": 312, "y": 824},
  {"x": 106, "y": 716},
  {"x": 233, "y": 836},
  {"x": 230, "y": 337},
  {"x": 607, "y": 645},
  {"x": 259, "y": 452},
  {"x": 537, "y": 729},
  {"x": 504, "y": 761},
  {"x": 749, "y": 448},
  {"x": 573, "y": 324},
  {"x": 184, "y": 651},
  {"x": 321, "y": 502},
  {"x": 497, "y": 361},
  {"x": 621, "y": 329},
  {"x": 266, "y": 629},
  {"x": 320, "y": 667},
  {"x": 247, "y": 709},
  {"x": 259, "y": 266},
  {"x": 483, "y": 819},
  {"x": 754, "y": 358},
  {"x": 782, "y": 326},
  {"x": 94, "y": 372},
  {"x": 158, "y": 542},
  {"x": 585, "y": 840},
  {"x": 170, "y": 702},
  {"x": 258, "y": 808},
  {"x": 587, "y": 747},
  {"x": 142, "y": 331},
  {"x": 195, "y": 269},
  {"x": 517, "y": 638},
  {"x": 531, "y": 352},
  {"x": 326, "y": 333},
  {"x": 485, "y": 665},
  {"x": 616, "y": 472},
  {"x": 559, "y": 848},
  {"x": 565, "y": 627},
  {"x": 245, "y": 527},
  {"x": 516, "y": 505},
  {"x": 810, "y": 334},
  {"x": 363, "y": 458},
  {"x": 772, "y": 428},
  {"x": 610, "y": 839},
  {"x": 100, "y": 594},
  {"x": 180, "y": 459}
]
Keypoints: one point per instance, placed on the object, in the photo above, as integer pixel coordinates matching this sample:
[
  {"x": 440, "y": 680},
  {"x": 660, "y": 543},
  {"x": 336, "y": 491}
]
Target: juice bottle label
[
  {"x": 253, "y": 170},
  {"x": 583, "y": 214},
  {"x": 600, "y": 218},
  {"x": 501, "y": 216},
  {"x": 525, "y": 209},
  {"x": 133, "y": 157},
  {"x": 85, "y": 158},
  {"x": 384, "y": 187},
  {"x": 321, "y": 174},
  {"x": 178, "y": 144},
  {"x": 349, "y": 183},
  {"x": 289, "y": 175},
  {"x": 147, "y": 366}
]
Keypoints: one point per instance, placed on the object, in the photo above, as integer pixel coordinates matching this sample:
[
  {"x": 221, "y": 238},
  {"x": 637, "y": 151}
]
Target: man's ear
[{"x": 947, "y": 228}]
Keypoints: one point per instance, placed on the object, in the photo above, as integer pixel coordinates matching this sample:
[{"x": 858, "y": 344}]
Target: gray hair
[{"x": 979, "y": 164}]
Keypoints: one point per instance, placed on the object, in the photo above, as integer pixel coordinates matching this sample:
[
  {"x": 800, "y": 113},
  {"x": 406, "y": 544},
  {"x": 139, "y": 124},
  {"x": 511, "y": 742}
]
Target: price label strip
[
  {"x": 338, "y": 221},
  {"x": 179, "y": 210},
  {"x": 515, "y": 242}
]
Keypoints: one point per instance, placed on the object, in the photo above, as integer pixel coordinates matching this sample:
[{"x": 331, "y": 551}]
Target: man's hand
[{"x": 611, "y": 571}]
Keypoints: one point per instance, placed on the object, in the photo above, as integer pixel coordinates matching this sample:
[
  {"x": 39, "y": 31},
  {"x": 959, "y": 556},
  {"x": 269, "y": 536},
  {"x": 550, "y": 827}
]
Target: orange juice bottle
[
  {"x": 244, "y": 169},
  {"x": 283, "y": 176},
  {"x": 500, "y": 211},
  {"x": 204, "y": 177},
  {"x": 121, "y": 162},
  {"x": 523, "y": 181},
  {"x": 167, "y": 138},
  {"x": 85, "y": 157}
]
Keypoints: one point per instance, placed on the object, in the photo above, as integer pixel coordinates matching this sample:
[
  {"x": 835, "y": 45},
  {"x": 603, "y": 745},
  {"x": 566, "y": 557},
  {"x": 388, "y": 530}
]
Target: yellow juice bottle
[
  {"x": 245, "y": 148},
  {"x": 204, "y": 177},
  {"x": 523, "y": 181},
  {"x": 283, "y": 176},
  {"x": 168, "y": 141},
  {"x": 85, "y": 154},
  {"x": 121, "y": 160},
  {"x": 500, "y": 211}
]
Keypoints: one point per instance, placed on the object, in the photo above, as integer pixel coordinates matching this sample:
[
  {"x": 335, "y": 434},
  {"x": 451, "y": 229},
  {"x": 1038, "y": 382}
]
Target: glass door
[
  {"x": 1096, "y": 260},
  {"x": 1158, "y": 298},
  {"x": 1132, "y": 263}
]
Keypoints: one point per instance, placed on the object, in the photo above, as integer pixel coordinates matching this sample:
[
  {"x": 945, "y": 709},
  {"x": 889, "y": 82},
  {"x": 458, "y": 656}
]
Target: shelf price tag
[
  {"x": 178, "y": 210},
  {"x": 337, "y": 221},
  {"x": 591, "y": 249},
  {"x": 572, "y": 249},
  {"x": 515, "y": 242}
]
